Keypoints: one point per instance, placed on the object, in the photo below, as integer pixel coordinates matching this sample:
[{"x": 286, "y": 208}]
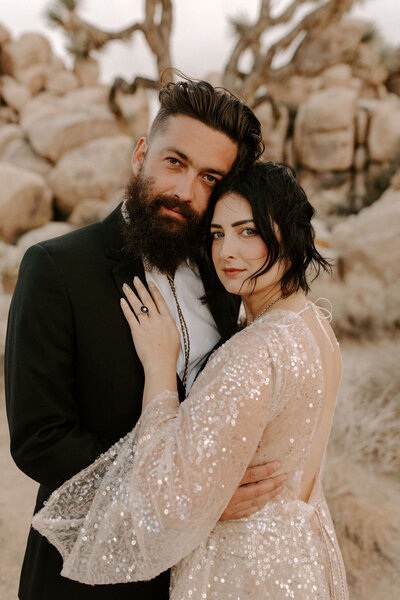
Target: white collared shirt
[{"x": 203, "y": 332}]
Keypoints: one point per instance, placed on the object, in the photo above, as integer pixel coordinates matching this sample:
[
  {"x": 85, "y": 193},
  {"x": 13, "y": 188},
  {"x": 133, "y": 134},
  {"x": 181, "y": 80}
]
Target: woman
[{"x": 155, "y": 498}]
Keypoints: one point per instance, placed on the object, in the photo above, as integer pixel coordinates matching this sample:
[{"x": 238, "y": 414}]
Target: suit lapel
[{"x": 125, "y": 267}]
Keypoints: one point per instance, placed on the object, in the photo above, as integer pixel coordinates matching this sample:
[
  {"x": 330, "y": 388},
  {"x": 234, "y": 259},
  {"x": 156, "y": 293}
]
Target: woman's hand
[{"x": 154, "y": 333}]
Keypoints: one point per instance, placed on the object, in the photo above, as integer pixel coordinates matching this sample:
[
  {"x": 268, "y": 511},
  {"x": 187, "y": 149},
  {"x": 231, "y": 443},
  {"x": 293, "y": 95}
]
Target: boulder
[
  {"x": 83, "y": 96},
  {"x": 34, "y": 78},
  {"x": 395, "y": 181},
  {"x": 368, "y": 242},
  {"x": 95, "y": 170},
  {"x": 384, "y": 130},
  {"x": 61, "y": 82},
  {"x": 274, "y": 119},
  {"x": 30, "y": 49},
  {"x": 325, "y": 130},
  {"x": 87, "y": 71},
  {"x": 53, "y": 131},
  {"x": 4, "y": 34},
  {"x": 19, "y": 153},
  {"x": 14, "y": 94},
  {"x": 368, "y": 65},
  {"x": 25, "y": 201},
  {"x": 337, "y": 76},
  {"x": 135, "y": 110},
  {"x": 10, "y": 259},
  {"x": 360, "y": 158},
  {"x": 89, "y": 211},
  {"x": 9, "y": 133},
  {"x": 8, "y": 115},
  {"x": 40, "y": 234},
  {"x": 337, "y": 43},
  {"x": 362, "y": 119},
  {"x": 5, "y": 300},
  {"x": 292, "y": 91}
]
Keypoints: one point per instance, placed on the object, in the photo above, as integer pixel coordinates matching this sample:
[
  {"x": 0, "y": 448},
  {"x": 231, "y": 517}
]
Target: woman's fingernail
[{"x": 125, "y": 286}]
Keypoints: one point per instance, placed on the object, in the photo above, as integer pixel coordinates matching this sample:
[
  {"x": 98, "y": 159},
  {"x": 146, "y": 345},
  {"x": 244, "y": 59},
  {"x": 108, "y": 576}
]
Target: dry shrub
[{"x": 362, "y": 476}]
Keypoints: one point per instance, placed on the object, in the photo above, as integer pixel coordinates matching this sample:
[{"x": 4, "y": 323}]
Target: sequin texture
[{"x": 153, "y": 500}]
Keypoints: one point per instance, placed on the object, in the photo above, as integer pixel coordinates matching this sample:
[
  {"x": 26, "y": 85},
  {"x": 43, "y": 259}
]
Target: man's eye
[
  {"x": 210, "y": 179},
  {"x": 172, "y": 160}
]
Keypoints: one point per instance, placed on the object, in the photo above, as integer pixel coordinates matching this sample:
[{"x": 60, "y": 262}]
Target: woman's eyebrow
[{"x": 235, "y": 224}]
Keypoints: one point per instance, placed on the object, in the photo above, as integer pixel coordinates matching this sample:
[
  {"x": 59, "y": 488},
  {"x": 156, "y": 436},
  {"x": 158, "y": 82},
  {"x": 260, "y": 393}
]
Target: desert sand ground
[{"x": 17, "y": 495}]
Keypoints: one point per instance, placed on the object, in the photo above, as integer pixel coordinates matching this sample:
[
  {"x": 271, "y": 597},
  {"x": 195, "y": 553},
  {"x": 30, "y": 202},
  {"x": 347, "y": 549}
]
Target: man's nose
[{"x": 184, "y": 187}]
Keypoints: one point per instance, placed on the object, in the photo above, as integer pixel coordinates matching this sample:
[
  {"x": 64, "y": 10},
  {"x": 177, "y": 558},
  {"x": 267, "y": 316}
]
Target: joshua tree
[
  {"x": 84, "y": 38},
  {"x": 301, "y": 20}
]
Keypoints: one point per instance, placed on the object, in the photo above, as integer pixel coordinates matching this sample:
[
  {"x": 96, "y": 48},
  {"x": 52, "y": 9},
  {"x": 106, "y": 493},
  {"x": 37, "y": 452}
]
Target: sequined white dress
[{"x": 154, "y": 499}]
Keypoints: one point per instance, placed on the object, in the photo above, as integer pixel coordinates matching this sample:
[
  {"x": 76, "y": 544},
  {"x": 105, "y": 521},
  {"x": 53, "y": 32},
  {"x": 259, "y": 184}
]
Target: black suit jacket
[{"x": 73, "y": 380}]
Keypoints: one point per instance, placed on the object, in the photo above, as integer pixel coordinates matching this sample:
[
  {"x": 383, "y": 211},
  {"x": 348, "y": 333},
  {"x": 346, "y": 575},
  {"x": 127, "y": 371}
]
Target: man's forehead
[{"x": 195, "y": 141}]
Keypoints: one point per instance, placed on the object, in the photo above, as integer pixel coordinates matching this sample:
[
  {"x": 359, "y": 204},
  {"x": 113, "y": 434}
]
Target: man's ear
[{"x": 139, "y": 154}]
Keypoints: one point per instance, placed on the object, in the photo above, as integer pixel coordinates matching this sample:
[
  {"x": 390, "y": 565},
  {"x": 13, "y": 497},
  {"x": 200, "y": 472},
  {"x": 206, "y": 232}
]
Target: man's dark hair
[
  {"x": 276, "y": 198},
  {"x": 217, "y": 108}
]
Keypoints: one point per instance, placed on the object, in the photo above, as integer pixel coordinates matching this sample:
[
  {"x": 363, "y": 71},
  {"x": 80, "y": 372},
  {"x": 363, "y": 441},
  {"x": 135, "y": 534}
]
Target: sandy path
[{"x": 17, "y": 496}]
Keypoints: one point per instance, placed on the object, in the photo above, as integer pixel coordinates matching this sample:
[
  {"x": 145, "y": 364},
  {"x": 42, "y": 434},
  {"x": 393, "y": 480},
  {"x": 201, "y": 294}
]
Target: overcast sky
[{"x": 201, "y": 36}]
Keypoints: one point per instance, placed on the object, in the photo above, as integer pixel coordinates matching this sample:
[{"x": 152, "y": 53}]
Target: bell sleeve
[{"x": 156, "y": 494}]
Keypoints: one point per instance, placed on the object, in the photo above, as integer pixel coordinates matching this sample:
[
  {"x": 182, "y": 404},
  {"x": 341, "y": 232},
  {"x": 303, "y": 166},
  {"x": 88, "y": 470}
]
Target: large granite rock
[
  {"x": 83, "y": 96},
  {"x": 325, "y": 130},
  {"x": 29, "y": 50},
  {"x": 90, "y": 211},
  {"x": 87, "y": 71},
  {"x": 61, "y": 82},
  {"x": 135, "y": 111},
  {"x": 274, "y": 121},
  {"x": 10, "y": 259},
  {"x": 339, "y": 75},
  {"x": 52, "y": 130},
  {"x": 384, "y": 130},
  {"x": 5, "y": 35},
  {"x": 14, "y": 94},
  {"x": 25, "y": 201},
  {"x": 292, "y": 91},
  {"x": 369, "y": 241},
  {"x": 337, "y": 43},
  {"x": 40, "y": 234},
  {"x": 95, "y": 170},
  {"x": 15, "y": 149}
]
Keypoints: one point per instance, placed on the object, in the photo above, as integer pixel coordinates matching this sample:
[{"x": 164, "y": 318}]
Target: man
[{"x": 73, "y": 380}]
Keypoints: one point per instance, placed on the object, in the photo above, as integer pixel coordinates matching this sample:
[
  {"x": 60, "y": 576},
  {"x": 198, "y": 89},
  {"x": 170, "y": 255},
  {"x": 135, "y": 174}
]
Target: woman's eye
[
  {"x": 249, "y": 232},
  {"x": 215, "y": 235}
]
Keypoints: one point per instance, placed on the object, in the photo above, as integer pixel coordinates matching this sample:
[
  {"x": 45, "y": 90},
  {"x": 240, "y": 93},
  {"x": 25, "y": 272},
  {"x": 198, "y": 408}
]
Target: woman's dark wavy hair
[
  {"x": 276, "y": 198},
  {"x": 215, "y": 107}
]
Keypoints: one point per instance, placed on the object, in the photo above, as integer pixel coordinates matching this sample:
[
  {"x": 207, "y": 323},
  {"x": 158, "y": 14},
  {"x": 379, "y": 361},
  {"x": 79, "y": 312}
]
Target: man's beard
[{"x": 161, "y": 240}]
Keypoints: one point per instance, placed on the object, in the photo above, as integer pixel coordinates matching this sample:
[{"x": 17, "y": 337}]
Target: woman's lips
[{"x": 232, "y": 272}]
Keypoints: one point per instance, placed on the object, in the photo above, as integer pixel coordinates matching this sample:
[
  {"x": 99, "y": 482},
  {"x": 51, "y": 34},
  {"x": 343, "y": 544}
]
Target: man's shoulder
[{"x": 91, "y": 241}]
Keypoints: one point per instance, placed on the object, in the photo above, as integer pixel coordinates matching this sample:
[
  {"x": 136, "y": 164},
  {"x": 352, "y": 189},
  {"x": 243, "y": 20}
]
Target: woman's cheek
[{"x": 254, "y": 249}]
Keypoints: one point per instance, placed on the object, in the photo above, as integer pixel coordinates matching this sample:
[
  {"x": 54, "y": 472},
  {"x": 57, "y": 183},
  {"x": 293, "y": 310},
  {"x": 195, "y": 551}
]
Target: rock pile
[{"x": 61, "y": 148}]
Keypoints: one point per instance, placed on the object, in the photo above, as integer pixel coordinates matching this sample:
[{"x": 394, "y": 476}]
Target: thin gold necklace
[
  {"x": 184, "y": 329},
  {"x": 266, "y": 309}
]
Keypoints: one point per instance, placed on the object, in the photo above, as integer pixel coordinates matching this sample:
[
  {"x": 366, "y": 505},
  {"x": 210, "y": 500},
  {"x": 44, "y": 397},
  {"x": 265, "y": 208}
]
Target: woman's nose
[{"x": 227, "y": 248}]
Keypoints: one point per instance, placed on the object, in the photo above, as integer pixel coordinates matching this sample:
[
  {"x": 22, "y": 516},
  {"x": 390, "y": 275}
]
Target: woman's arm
[{"x": 156, "y": 495}]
